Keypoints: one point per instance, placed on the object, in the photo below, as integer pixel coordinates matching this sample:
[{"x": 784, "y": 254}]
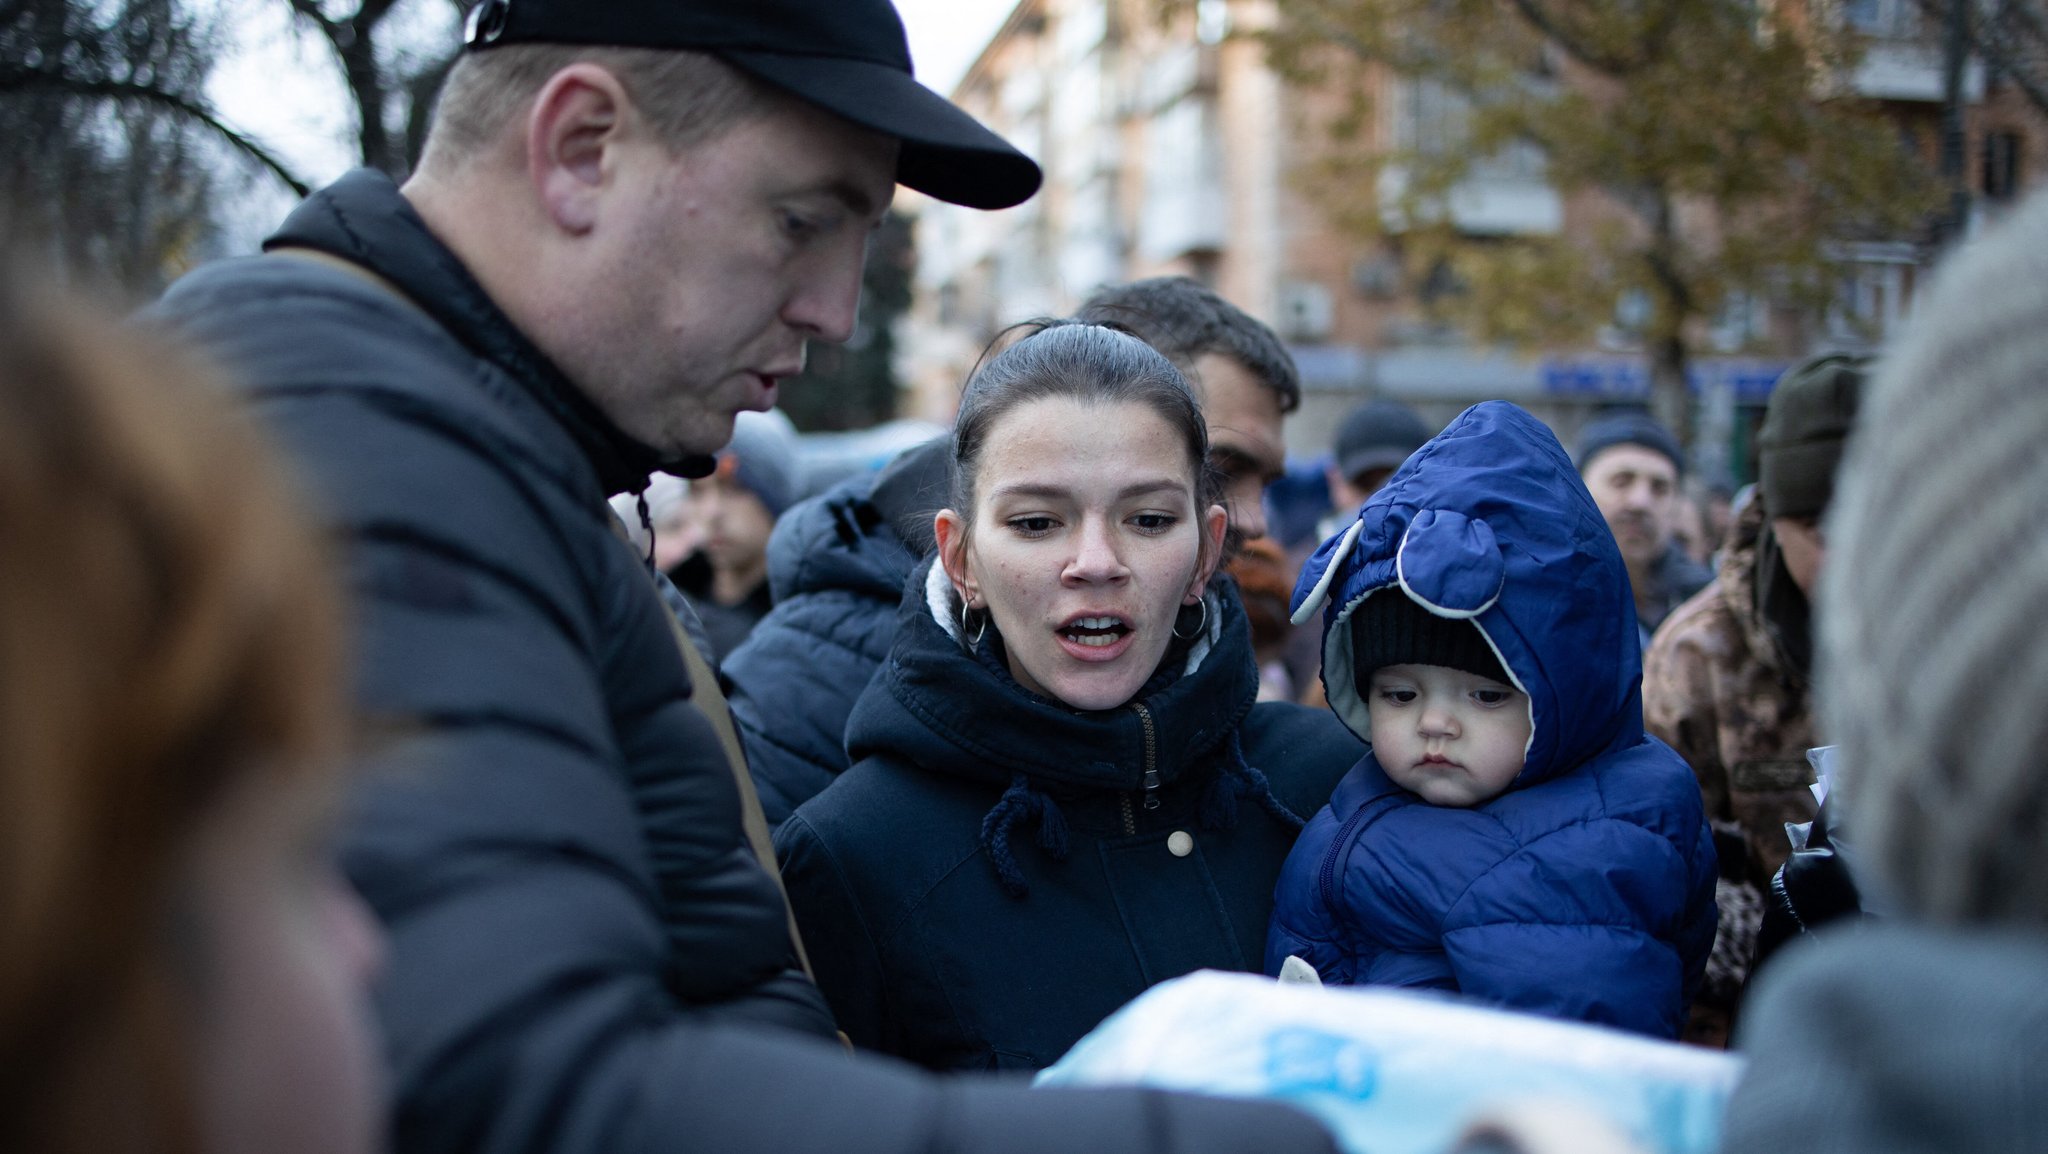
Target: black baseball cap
[{"x": 849, "y": 57}]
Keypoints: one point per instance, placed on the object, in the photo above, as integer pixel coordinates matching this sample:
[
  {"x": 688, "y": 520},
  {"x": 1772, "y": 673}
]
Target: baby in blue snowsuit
[{"x": 1513, "y": 834}]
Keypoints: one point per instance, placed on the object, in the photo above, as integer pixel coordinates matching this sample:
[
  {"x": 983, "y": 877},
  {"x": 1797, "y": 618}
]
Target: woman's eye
[
  {"x": 1033, "y": 525},
  {"x": 1154, "y": 522},
  {"x": 797, "y": 226}
]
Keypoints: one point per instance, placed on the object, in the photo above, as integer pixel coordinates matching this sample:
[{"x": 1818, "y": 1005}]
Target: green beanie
[{"x": 1812, "y": 409}]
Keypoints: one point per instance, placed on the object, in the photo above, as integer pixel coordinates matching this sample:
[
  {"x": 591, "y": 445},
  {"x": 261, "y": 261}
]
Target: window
[{"x": 2001, "y": 165}]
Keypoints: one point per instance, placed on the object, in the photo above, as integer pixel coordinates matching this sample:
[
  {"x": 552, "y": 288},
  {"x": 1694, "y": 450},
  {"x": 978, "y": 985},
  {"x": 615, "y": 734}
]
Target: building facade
[{"x": 1170, "y": 146}]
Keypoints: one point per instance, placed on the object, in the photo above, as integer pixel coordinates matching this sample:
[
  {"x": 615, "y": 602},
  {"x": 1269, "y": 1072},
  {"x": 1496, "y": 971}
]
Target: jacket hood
[
  {"x": 952, "y": 709},
  {"x": 363, "y": 218},
  {"x": 1489, "y": 522},
  {"x": 857, "y": 535},
  {"x": 1761, "y": 596}
]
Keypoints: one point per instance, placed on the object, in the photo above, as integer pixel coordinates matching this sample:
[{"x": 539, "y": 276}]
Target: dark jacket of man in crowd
[
  {"x": 836, "y": 567},
  {"x": 998, "y": 873}
]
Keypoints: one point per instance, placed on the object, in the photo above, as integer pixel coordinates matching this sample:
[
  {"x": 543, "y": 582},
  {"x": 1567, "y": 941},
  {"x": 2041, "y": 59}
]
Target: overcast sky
[{"x": 281, "y": 86}]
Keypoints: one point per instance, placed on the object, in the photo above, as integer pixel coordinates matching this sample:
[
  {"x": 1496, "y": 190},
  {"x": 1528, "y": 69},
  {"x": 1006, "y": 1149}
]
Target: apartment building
[{"x": 1170, "y": 146}]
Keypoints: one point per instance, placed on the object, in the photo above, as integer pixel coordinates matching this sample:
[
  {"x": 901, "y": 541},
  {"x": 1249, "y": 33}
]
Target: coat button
[{"x": 1180, "y": 843}]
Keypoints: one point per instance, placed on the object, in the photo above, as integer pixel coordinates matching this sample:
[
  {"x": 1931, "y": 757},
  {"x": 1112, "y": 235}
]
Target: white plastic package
[{"x": 1399, "y": 1072}]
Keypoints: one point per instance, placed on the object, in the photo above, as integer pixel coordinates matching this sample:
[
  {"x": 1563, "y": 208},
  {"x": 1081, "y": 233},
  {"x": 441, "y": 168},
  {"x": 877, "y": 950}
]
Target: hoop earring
[
  {"x": 979, "y": 633},
  {"x": 1200, "y": 628}
]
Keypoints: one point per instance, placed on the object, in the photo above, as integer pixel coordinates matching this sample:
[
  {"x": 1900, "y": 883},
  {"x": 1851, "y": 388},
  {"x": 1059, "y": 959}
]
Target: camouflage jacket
[{"x": 1725, "y": 683}]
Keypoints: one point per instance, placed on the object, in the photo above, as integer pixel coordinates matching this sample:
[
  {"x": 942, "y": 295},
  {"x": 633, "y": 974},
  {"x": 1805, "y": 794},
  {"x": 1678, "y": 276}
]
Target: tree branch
[
  {"x": 1578, "y": 50},
  {"x": 19, "y": 79}
]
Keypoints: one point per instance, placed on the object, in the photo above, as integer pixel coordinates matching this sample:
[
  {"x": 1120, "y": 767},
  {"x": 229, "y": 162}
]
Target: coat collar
[{"x": 958, "y": 711}]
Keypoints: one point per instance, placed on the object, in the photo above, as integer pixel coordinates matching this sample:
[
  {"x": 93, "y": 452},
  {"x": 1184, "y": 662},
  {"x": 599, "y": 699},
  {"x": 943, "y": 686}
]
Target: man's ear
[
  {"x": 572, "y": 134},
  {"x": 1214, "y": 525},
  {"x": 950, "y": 531}
]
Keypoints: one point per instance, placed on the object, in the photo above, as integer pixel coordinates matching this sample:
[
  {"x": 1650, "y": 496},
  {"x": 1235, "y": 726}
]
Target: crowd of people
[{"x": 370, "y": 782}]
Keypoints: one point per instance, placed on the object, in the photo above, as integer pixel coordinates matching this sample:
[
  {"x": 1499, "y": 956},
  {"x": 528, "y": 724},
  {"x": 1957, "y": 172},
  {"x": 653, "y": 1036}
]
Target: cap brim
[
  {"x": 1365, "y": 460},
  {"x": 946, "y": 153}
]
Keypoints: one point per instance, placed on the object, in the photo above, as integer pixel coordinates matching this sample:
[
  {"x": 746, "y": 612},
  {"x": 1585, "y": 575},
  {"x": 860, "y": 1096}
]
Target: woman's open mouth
[{"x": 1095, "y": 637}]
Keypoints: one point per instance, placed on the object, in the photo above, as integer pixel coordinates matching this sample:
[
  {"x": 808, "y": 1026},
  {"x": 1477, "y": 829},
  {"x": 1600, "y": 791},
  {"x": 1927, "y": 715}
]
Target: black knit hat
[
  {"x": 1389, "y": 628},
  {"x": 1627, "y": 428},
  {"x": 1800, "y": 445}
]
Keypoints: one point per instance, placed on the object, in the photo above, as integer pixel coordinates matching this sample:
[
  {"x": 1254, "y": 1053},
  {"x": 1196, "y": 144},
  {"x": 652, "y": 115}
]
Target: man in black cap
[
  {"x": 629, "y": 219},
  {"x": 1374, "y": 440},
  {"x": 1632, "y": 465}
]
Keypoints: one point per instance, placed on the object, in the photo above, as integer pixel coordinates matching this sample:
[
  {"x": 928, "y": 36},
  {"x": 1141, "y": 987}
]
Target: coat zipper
[
  {"x": 1327, "y": 879},
  {"x": 1151, "y": 779}
]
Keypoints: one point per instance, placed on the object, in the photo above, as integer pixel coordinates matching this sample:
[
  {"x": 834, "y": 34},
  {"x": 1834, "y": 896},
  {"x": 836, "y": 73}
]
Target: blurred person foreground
[
  {"x": 183, "y": 970},
  {"x": 1928, "y": 1031}
]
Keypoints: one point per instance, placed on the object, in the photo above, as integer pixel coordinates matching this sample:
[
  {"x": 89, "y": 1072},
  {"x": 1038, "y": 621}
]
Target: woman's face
[
  {"x": 1085, "y": 542},
  {"x": 286, "y": 953}
]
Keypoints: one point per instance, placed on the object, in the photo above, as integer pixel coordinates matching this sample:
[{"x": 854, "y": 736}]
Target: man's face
[
  {"x": 1803, "y": 548},
  {"x": 709, "y": 269},
  {"x": 1636, "y": 489},
  {"x": 1244, "y": 439}
]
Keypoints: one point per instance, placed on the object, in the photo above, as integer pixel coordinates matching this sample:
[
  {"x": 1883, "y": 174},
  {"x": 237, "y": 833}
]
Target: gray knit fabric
[
  {"x": 1934, "y": 634},
  {"x": 1888, "y": 1039}
]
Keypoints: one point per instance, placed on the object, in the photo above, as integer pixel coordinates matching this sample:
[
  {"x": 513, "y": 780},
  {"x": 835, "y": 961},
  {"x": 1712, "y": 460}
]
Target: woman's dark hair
[{"x": 1097, "y": 364}]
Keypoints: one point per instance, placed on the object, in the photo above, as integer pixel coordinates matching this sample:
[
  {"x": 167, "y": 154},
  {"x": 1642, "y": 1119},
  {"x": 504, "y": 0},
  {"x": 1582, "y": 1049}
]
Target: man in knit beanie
[
  {"x": 1632, "y": 465},
  {"x": 1725, "y": 679},
  {"x": 1924, "y": 1032},
  {"x": 731, "y": 513}
]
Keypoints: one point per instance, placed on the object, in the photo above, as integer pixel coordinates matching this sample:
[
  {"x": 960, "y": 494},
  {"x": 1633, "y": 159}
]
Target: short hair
[
  {"x": 169, "y": 635},
  {"x": 1185, "y": 319},
  {"x": 689, "y": 97},
  {"x": 1932, "y": 675}
]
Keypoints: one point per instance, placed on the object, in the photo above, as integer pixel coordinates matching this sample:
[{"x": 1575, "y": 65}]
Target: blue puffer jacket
[
  {"x": 836, "y": 567},
  {"x": 998, "y": 872},
  {"x": 1587, "y": 890}
]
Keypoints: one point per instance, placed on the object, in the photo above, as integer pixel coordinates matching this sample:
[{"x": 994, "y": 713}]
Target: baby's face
[{"x": 1452, "y": 737}]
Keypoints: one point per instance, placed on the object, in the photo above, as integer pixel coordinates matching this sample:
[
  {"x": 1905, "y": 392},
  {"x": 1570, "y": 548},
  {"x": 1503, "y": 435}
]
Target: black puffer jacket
[
  {"x": 836, "y": 565},
  {"x": 999, "y": 872},
  {"x": 582, "y": 949}
]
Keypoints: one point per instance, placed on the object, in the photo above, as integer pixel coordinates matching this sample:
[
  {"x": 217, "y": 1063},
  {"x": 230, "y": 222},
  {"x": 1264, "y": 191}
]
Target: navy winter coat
[
  {"x": 1586, "y": 890},
  {"x": 584, "y": 954},
  {"x": 836, "y": 567},
  {"x": 997, "y": 872}
]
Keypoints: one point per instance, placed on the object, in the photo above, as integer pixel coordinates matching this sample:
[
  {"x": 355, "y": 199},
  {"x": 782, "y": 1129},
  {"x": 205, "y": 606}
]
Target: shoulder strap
[
  {"x": 343, "y": 264},
  {"x": 709, "y": 700}
]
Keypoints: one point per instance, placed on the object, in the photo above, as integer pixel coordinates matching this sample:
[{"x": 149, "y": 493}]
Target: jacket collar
[
  {"x": 364, "y": 219},
  {"x": 958, "y": 711}
]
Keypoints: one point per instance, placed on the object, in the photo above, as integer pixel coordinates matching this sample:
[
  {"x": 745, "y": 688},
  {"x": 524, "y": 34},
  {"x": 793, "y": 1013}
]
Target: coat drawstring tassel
[
  {"x": 1240, "y": 779},
  {"x": 1021, "y": 803}
]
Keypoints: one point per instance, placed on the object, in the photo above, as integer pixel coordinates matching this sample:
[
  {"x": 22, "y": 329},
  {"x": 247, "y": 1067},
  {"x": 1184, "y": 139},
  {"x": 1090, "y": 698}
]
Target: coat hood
[
  {"x": 1489, "y": 522},
  {"x": 865, "y": 534},
  {"x": 1762, "y": 597}
]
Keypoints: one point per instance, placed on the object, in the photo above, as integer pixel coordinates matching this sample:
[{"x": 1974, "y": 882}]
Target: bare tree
[
  {"x": 391, "y": 85},
  {"x": 113, "y": 152}
]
